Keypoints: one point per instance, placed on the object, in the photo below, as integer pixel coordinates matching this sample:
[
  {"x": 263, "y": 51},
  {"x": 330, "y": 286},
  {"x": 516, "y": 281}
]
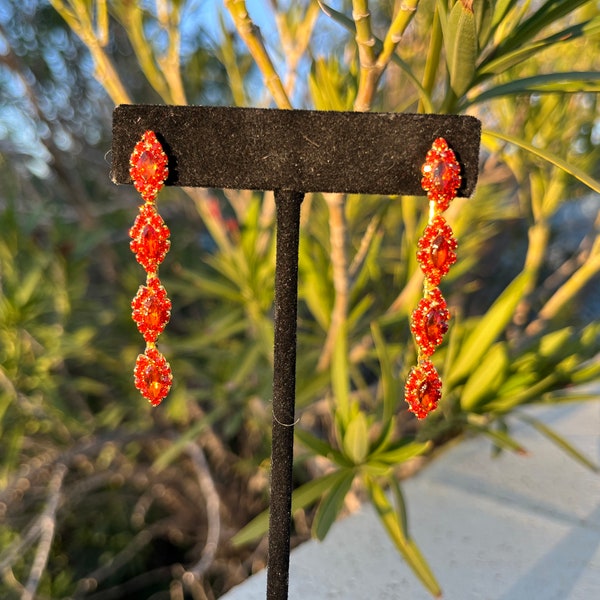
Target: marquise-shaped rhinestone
[
  {"x": 151, "y": 309},
  {"x": 441, "y": 174},
  {"x": 429, "y": 322},
  {"x": 150, "y": 238},
  {"x": 423, "y": 389},
  {"x": 436, "y": 250},
  {"x": 152, "y": 376},
  {"x": 148, "y": 166}
]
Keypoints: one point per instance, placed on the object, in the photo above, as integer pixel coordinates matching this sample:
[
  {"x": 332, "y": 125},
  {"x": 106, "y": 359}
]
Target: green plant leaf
[
  {"x": 560, "y": 442},
  {"x": 331, "y": 87},
  {"x": 486, "y": 379},
  {"x": 390, "y": 385},
  {"x": 395, "y": 527},
  {"x": 247, "y": 365},
  {"x": 318, "y": 303},
  {"x": 460, "y": 40},
  {"x": 302, "y": 497},
  {"x": 356, "y": 438},
  {"x": 359, "y": 310},
  {"x": 500, "y": 437},
  {"x": 557, "y": 343},
  {"x": 401, "y": 452},
  {"x": 505, "y": 402},
  {"x": 517, "y": 383},
  {"x": 222, "y": 327},
  {"x": 384, "y": 438},
  {"x": 30, "y": 284},
  {"x": 489, "y": 327},
  {"x": 572, "y": 82},
  {"x": 310, "y": 385},
  {"x": 501, "y": 63},
  {"x": 178, "y": 446},
  {"x": 543, "y": 16},
  {"x": 592, "y": 183},
  {"x": 501, "y": 8},
  {"x": 313, "y": 443},
  {"x": 314, "y": 284},
  {"x": 340, "y": 376},
  {"x": 586, "y": 373},
  {"x": 322, "y": 448},
  {"x": 484, "y": 13},
  {"x": 332, "y": 504},
  {"x": 349, "y": 25},
  {"x": 400, "y": 506},
  {"x": 219, "y": 288},
  {"x": 564, "y": 397}
]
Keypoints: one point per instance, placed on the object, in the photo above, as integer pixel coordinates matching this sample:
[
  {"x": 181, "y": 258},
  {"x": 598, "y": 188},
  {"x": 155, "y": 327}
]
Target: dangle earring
[
  {"x": 150, "y": 244},
  {"x": 436, "y": 254}
]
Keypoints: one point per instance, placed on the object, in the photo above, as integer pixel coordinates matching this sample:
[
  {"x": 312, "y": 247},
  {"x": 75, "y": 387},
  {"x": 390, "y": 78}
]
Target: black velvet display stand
[{"x": 292, "y": 152}]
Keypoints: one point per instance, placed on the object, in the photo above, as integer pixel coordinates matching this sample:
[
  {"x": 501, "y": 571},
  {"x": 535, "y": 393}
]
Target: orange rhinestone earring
[
  {"x": 436, "y": 254},
  {"x": 150, "y": 244}
]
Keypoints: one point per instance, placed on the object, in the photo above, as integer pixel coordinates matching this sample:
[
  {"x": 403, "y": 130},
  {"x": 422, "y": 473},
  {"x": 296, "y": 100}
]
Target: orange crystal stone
[
  {"x": 436, "y": 250},
  {"x": 441, "y": 174},
  {"x": 148, "y": 166},
  {"x": 150, "y": 238},
  {"x": 151, "y": 309},
  {"x": 429, "y": 322},
  {"x": 423, "y": 389},
  {"x": 152, "y": 376}
]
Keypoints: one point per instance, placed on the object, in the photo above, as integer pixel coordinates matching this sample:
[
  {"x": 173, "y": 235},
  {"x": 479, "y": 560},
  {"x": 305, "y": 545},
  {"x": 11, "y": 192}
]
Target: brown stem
[
  {"x": 47, "y": 522},
  {"x": 250, "y": 33},
  {"x": 339, "y": 262}
]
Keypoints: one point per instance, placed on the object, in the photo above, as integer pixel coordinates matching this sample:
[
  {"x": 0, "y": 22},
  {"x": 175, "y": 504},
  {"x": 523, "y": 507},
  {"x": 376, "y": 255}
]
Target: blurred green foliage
[{"x": 102, "y": 496}]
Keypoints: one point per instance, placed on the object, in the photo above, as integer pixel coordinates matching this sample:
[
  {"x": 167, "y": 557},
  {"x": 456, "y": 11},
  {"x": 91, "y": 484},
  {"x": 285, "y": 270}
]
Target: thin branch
[
  {"x": 123, "y": 590},
  {"x": 213, "y": 516},
  {"x": 169, "y": 17},
  {"x": 19, "y": 546},
  {"x": 432, "y": 61},
  {"x": 565, "y": 294},
  {"x": 365, "y": 245},
  {"x": 405, "y": 14},
  {"x": 80, "y": 21},
  {"x": 87, "y": 446},
  {"x": 250, "y": 33},
  {"x": 372, "y": 67},
  {"x": 47, "y": 522},
  {"x": 339, "y": 263},
  {"x": 141, "y": 540},
  {"x": 295, "y": 44}
]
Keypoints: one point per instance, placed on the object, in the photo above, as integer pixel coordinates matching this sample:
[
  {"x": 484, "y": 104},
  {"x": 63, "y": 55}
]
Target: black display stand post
[{"x": 292, "y": 152}]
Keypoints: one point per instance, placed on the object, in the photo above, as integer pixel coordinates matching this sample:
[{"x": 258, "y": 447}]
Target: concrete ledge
[{"x": 510, "y": 528}]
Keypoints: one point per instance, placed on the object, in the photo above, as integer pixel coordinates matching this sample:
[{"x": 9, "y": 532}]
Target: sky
[{"x": 18, "y": 125}]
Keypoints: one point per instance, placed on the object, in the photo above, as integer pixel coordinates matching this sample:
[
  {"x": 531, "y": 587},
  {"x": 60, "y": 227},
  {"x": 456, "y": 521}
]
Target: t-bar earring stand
[{"x": 292, "y": 152}]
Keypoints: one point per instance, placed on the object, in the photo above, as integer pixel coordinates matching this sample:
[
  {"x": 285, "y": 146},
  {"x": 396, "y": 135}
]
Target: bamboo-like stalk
[
  {"x": 405, "y": 14},
  {"x": 365, "y": 244},
  {"x": 433, "y": 58},
  {"x": 295, "y": 44},
  {"x": 102, "y": 22},
  {"x": 372, "y": 67},
  {"x": 566, "y": 292},
  {"x": 79, "y": 20},
  {"x": 366, "y": 54},
  {"x": 215, "y": 226},
  {"x": 250, "y": 33},
  {"x": 339, "y": 263},
  {"x": 170, "y": 63},
  {"x": 132, "y": 16}
]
